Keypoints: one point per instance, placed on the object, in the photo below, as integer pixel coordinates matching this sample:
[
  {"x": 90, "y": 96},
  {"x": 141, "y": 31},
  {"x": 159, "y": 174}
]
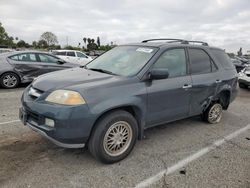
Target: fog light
[{"x": 49, "y": 122}]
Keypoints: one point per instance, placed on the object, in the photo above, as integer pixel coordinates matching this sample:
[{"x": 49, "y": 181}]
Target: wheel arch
[
  {"x": 11, "y": 72},
  {"x": 223, "y": 97},
  {"x": 135, "y": 111}
]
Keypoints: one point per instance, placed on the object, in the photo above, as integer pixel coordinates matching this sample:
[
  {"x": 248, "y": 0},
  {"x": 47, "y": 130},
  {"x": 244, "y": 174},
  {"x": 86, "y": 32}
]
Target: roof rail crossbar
[
  {"x": 198, "y": 42},
  {"x": 169, "y": 40},
  {"x": 165, "y": 39}
]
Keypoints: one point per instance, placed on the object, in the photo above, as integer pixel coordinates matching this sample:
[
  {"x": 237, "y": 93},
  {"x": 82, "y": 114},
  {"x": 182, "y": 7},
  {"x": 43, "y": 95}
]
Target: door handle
[
  {"x": 218, "y": 81},
  {"x": 186, "y": 86}
]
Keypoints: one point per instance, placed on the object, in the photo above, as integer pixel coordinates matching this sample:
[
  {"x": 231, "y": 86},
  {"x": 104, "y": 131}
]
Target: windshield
[{"x": 123, "y": 60}]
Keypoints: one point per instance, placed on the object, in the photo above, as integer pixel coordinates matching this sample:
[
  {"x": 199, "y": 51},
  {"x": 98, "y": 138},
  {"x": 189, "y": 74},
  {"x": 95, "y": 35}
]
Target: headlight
[{"x": 65, "y": 97}]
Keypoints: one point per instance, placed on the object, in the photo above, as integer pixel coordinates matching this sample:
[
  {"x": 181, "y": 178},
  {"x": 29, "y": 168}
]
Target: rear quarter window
[{"x": 223, "y": 59}]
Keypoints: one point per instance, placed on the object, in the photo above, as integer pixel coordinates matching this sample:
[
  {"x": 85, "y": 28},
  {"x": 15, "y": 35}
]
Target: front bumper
[{"x": 72, "y": 124}]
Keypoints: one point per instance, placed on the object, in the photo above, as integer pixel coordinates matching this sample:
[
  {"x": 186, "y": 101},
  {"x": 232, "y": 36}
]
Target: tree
[
  {"x": 34, "y": 44},
  {"x": 42, "y": 44},
  {"x": 85, "y": 40},
  {"x": 22, "y": 44},
  {"x": 49, "y": 37},
  {"x": 240, "y": 52},
  {"x": 98, "y": 42},
  {"x": 89, "y": 40},
  {"x": 4, "y": 37}
]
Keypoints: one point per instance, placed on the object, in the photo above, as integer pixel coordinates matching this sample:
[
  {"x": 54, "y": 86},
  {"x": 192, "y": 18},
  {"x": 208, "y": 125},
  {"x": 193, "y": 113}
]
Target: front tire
[
  {"x": 9, "y": 80},
  {"x": 114, "y": 137},
  {"x": 213, "y": 113},
  {"x": 241, "y": 85}
]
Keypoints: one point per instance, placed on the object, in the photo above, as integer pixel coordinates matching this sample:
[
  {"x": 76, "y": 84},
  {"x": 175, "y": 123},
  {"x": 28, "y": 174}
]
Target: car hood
[{"x": 69, "y": 77}]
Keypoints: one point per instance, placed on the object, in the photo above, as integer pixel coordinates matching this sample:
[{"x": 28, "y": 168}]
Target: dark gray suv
[{"x": 107, "y": 104}]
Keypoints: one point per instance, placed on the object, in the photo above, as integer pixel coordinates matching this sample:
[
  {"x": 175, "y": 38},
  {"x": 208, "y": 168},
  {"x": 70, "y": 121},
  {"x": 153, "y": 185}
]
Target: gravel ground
[{"x": 29, "y": 160}]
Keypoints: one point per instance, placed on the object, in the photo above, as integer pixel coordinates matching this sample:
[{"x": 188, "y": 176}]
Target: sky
[{"x": 221, "y": 23}]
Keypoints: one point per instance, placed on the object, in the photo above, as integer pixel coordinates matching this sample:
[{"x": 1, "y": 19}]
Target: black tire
[
  {"x": 241, "y": 85},
  {"x": 214, "y": 109},
  {"x": 15, "y": 80},
  {"x": 108, "y": 123}
]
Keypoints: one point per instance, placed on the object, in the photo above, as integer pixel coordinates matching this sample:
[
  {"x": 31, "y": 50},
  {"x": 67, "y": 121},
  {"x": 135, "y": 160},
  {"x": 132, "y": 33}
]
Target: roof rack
[{"x": 169, "y": 40}]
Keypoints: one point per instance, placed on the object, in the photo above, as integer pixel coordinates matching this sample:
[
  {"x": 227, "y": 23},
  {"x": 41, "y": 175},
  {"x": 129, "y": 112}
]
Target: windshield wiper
[{"x": 102, "y": 70}]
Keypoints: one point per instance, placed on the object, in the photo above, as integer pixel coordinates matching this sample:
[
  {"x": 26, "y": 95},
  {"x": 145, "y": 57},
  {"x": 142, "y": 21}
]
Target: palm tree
[{"x": 85, "y": 40}]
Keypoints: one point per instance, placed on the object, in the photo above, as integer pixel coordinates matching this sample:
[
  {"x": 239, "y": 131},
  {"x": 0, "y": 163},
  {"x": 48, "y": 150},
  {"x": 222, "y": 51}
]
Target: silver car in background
[
  {"x": 73, "y": 56},
  {"x": 23, "y": 66}
]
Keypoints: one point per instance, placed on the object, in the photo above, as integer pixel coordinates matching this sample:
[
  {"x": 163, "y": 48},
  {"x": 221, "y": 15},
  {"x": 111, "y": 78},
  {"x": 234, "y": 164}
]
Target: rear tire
[
  {"x": 9, "y": 80},
  {"x": 213, "y": 113},
  {"x": 114, "y": 137}
]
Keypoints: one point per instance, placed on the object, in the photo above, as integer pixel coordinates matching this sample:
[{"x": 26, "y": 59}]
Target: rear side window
[
  {"x": 71, "y": 54},
  {"x": 223, "y": 58},
  {"x": 200, "y": 61}
]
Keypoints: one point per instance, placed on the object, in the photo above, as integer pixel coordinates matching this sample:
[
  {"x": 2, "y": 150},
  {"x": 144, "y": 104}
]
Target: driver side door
[{"x": 169, "y": 99}]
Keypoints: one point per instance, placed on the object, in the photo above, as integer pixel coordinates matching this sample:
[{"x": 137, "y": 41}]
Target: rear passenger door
[
  {"x": 205, "y": 79},
  {"x": 169, "y": 99}
]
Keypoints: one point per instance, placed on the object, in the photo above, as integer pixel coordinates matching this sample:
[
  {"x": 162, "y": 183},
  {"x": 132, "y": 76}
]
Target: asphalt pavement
[{"x": 184, "y": 151}]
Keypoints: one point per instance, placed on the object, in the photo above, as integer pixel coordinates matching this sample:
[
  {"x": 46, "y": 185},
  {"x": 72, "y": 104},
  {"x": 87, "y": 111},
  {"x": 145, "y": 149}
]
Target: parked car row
[
  {"x": 244, "y": 78},
  {"x": 240, "y": 64}
]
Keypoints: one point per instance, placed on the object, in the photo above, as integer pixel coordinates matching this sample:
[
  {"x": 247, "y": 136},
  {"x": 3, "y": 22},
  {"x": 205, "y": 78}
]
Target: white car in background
[{"x": 72, "y": 56}]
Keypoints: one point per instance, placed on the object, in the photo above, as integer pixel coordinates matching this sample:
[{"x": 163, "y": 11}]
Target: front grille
[{"x": 33, "y": 118}]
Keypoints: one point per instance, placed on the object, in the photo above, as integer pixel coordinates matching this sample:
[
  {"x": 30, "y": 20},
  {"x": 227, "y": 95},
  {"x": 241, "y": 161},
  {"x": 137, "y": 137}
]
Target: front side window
[
  {"x": 79, "y": 54},
  {"x": 200, "y": 61},
  {"x": 174, "y": 60},
  {"x": 47, "y": 58},
  {"x": 123, "y": 60},
  {"x": 72, "y": 54}
]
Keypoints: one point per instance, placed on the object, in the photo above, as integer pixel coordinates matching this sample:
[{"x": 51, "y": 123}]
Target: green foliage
[
  {"x": 72, "y": 48},
  {"x": 22, "y": 44},
  {"x": 5, "y": 39},
  {"x": 105, "y": 47}
]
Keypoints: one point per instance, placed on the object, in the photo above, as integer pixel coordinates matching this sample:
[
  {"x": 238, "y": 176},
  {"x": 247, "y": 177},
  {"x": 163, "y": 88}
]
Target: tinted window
[
  {"x": 47, "y": 58},
  {"x": 60, "y": 53},
  {"x": 28, "y": 57},
  {"x": 79, "y": 54},
  {"x": 174, "y": 60},
  {"x": 71, "y": 54},
  {"x": 223, "y": 58},
  {"x": 200, "y": 61}
]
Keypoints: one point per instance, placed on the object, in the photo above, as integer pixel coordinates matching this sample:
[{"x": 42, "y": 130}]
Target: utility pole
[{"x": 67, "y": 40}]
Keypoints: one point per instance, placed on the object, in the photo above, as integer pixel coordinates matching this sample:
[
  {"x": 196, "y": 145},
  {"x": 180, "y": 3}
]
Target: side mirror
[
  {"x": 60, "y": 61},
  {"x": 158, "y": 74}
]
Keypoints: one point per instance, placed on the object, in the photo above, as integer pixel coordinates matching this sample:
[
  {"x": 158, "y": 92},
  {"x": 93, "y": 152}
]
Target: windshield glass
[{"x": 123, "y": 60}]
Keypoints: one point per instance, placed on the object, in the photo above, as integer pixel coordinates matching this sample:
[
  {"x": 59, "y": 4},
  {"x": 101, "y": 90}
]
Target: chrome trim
[
  {"x": 55, "y": 141},
  {"x": 34, "y": 92}
]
